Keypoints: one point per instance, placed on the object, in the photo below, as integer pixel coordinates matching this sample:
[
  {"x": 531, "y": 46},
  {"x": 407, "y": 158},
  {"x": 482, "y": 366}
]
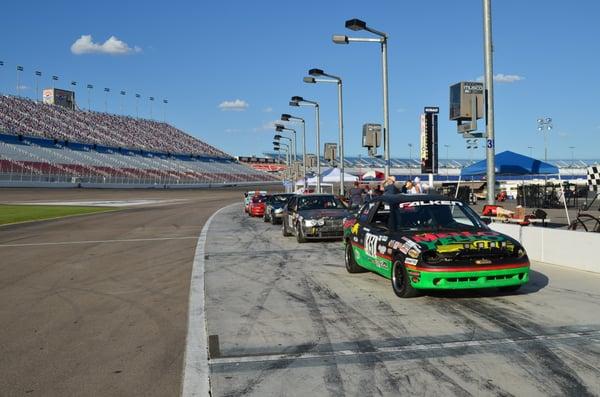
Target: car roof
[{"x": 406, "y": 198}]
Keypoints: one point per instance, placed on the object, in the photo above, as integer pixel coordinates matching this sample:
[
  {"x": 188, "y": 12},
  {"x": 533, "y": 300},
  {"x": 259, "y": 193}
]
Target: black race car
[
  {"x": 314, "y": 216},
  {"x": 274, "y": 209},
  {"x": 431, "y": 242}
]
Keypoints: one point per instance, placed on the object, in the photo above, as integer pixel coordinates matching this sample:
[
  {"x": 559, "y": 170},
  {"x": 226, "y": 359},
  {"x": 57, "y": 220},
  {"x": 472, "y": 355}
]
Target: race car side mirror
[{"x": 486, "y": 220}]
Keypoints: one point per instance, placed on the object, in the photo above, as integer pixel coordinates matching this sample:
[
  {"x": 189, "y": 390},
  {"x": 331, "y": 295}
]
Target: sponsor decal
[
  {"x": 383, "y": 238},
  {"x": 381, "y": 249},
  {"x": 411, "y": 261},
  {"x": 355, "y": 239},
  {"x": 371, "y": 245},
  {"x": 413, "y": 253},
  {"x": 433, "y": 240},
  {"x": 355, "y": 228},
  {"x": 429, "y": 202},
  {"x": 382, "y": 264}
]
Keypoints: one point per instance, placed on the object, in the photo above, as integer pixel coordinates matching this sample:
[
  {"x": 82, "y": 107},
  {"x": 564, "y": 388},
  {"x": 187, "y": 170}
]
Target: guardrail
[
  {"x": 555, "y": 246},
  {"x": 92, "y": 185}
]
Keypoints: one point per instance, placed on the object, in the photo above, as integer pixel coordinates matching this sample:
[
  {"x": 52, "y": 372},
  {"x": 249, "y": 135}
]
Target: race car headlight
[
  {"x": 310, "y": 222},
  {"x": 278, "y": 210},
  {"x": 321, "y": 222}
]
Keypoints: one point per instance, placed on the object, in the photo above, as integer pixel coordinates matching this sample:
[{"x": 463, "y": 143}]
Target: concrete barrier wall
[
  {"x": 62, "y": 185},
  {"x": 558, "y": 247}
]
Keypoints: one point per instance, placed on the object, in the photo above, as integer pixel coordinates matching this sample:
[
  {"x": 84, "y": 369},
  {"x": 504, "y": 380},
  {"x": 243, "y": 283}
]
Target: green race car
[{"x": 423, "y": 242}]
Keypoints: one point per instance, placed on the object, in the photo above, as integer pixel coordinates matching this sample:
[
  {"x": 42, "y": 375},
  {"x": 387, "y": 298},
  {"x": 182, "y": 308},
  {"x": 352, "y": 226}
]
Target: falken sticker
[{"x": 430, "y": 202}]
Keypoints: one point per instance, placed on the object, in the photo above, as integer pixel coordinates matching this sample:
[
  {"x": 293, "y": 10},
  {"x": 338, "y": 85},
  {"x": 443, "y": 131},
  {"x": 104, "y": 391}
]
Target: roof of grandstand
[{"x": 21, "y": 116}]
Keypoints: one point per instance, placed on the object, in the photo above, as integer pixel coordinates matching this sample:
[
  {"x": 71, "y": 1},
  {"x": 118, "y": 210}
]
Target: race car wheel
[
  {"x": 400, "y": 282},
  {"x": 510, "y": 288},
  {"x": 351, "y": 265},
  {"x": 284, "y": 230},
  {"x": 300, "y": 235}
]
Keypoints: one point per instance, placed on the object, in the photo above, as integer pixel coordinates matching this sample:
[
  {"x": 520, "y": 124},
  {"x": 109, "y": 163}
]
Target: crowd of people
[
  {"x": 22, "y": 116},
  {"x": 358, "y": 194}
]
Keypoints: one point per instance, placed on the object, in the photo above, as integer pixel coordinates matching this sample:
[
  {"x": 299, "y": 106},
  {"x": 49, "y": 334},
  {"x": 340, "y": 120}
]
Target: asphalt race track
[
  {"x": 292, "y": 322},
  {"x": 98, "y": 305}
]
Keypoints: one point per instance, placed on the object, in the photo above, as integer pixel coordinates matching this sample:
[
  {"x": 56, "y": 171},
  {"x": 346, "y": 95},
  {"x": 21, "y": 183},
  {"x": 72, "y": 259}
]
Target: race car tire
[
  {"x": 510, "y": 288},
  {"x": 400, "y": 281},
  {"x": 284, "y": 230},
  {"x": 300, "y": 235},
  {"x": 351, "y": 265}
]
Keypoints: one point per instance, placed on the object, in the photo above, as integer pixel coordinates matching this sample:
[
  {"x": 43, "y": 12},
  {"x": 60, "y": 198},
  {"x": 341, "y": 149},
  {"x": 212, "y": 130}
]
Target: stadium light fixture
[
  {"x": 289, "y": 117},
  {"x": 356, "y": 25},
  {"x": 277, "y": 137},
  {"x": 299, "y": 101},
  {"x": 310, "y": 80},
  {"x": 281, "y": 128},
  {"x": 38, "y": 74},
  {"x": 89, "y": 88}
]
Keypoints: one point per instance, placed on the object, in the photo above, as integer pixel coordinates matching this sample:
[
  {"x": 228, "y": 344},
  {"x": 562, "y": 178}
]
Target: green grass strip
[{"x": 27, "y": 213}]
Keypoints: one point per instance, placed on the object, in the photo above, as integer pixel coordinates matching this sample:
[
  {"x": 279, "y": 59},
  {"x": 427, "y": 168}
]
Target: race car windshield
[
  {"x": 319, "y": 203},
  {"x": 435, "y": 215},
  {"x": 280, "y": 198}
]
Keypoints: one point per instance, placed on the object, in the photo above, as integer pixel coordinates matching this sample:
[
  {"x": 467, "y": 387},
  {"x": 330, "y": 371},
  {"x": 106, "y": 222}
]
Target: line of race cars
[{"x": 419, "y": 242}]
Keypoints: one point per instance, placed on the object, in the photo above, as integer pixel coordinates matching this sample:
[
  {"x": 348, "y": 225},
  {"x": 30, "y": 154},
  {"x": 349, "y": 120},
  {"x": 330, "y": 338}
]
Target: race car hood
[
  {"x": 323, "y": 213},
  {"x": 454, "y": 242}
]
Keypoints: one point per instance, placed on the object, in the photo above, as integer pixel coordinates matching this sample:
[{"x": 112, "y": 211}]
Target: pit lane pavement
[{"x": 291, "y": 321}]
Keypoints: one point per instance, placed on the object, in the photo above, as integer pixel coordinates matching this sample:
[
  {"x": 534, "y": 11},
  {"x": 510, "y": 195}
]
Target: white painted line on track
[
  {"x": 196, "y": 381},
  {"x": 403, "y": 349},
  {"x": 129, "y": 240}
]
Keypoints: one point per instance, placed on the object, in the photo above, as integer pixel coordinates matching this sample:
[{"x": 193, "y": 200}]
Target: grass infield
[{"x": 26, "y": 213}]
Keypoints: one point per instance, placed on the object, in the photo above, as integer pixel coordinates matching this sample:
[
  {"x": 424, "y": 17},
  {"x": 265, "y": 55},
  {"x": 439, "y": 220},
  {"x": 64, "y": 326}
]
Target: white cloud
[
  {"x": 112, "y": 46},
  {"x": 237, "y": 105},
  {"x": 268, "y": 109},
  {"x": 267, "y": 126},
  {"x": 504, "y": 78}
]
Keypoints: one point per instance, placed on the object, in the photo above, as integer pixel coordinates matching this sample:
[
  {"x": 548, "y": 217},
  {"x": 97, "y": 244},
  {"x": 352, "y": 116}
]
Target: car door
[{"x": 374, "y": 234}]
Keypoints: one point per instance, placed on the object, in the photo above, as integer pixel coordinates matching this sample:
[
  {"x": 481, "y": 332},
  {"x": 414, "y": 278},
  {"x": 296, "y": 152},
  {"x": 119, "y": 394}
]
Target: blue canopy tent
[{"x": 511, "y": 163}]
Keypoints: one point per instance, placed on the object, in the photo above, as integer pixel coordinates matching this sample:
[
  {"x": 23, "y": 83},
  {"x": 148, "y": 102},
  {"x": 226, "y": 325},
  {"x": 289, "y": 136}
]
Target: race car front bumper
[{"x": 504, "y": 276}]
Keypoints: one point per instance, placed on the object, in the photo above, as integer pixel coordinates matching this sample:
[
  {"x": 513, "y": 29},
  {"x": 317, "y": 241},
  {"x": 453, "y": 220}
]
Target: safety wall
[{"x": 558, "y": 247}]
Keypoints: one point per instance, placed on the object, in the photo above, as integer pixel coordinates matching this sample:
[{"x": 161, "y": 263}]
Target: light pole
[
  {"x": 530, "y": 151},
  {"x": 572, "y": 155},
  {"x": 447, "y": 162},
  {"x": 38, "y": 74},
  {"x": 545, "y": 126},
  {"x": 122, "y": 92},
  {"x": 281, "y": 128},
  {"x": 338, "y": 81},
  {"x": 54, "y": 80},
  {"x": 1, "y": 64},
  {"x": 488, "y": 61},
  {"x": 106, "y": 91},
  {"x": 410, "y": 146},
  {"x": 165, "y": 102},
  {"x": 355, "y": 25},
  {"x": 151, "y": 102},
  {"x": 288, "y": 117},
  {"x": 19, "y": 69},
  {"x": 278, "y": 146},
  {"x": 137, "y": 106},
  {"x": 89, "y": 87},
  {"x": 299, "y": 101},
  {"x": 277, "y": 139}
]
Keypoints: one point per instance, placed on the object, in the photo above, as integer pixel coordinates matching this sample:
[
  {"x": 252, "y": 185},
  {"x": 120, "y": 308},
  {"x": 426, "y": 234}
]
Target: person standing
[
  {"x": 356, "y": 196},
  {"x": 390, "y": 186}
]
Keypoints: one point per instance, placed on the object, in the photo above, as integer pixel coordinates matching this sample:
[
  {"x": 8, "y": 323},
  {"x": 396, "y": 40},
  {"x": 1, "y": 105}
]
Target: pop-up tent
[{"x": 509, "y": 164}]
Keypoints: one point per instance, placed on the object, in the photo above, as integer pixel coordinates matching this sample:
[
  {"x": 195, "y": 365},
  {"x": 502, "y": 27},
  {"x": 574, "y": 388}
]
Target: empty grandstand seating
[{"x": 49, "y": 143}]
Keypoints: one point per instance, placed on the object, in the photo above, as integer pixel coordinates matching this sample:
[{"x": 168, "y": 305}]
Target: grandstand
[{"x": 48, "y": 143}]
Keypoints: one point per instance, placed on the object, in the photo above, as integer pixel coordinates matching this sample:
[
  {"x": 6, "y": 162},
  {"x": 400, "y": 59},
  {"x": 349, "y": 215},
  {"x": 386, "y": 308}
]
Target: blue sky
[{"x": 200, "y": 55}]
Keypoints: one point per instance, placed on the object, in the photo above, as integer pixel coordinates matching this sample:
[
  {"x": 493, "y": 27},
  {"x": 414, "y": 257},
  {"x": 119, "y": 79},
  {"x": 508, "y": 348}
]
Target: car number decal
[{"x": 371, "y": 244}]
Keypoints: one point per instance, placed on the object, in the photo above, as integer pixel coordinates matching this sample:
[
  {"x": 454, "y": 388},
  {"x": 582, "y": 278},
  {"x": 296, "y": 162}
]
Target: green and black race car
[{"x": 423, "y": 242}]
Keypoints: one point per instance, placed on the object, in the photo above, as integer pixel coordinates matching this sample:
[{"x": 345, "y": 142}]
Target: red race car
[{"x": 257, "y": 206}]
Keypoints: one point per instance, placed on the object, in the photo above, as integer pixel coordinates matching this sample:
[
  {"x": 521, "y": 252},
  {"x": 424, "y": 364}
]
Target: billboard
[
  {"x": 429, "y": 141},
  {"x": 56, "y": 96}
]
